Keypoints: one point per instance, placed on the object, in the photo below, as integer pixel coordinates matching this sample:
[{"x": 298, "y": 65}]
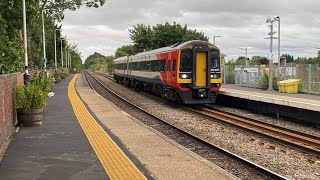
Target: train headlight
[
  {"x": 215, "y": 76},
  {"x": 185, "y": 75}
]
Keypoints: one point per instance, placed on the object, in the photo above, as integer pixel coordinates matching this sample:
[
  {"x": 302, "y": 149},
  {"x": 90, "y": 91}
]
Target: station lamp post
[
  {"x": 214, "y": 39},
  {"x": 26, "y": 75},
  {"x": 246, "y": 49},
  {"x": 55, "y": 49},
  {"x": 44, "y": 42},
  {"x": 66, "y": 53},
  {"x": 62, "y": 53}
]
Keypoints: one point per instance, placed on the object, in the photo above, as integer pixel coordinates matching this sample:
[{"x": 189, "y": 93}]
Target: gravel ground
[{"x": 280, "y": 159}]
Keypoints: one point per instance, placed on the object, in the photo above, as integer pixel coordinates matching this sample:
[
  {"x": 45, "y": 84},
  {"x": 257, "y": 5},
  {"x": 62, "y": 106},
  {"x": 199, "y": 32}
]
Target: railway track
[
  {"x": 303, "y": 141},
  {"x": 267, "y": 174}
]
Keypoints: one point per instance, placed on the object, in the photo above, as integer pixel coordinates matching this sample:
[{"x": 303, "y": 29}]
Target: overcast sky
[{"x": 241, "y": 23}]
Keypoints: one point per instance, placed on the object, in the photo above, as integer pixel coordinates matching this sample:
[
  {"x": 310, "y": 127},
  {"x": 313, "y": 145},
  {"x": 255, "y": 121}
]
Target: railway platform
[
  {"x": 84, "y": 136},
  {"x": 302, "y": 107}
]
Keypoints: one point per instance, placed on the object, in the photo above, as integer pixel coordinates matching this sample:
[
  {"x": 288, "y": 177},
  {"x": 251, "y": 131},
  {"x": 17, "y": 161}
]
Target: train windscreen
[
  {"x": 215, "y": 59},
  {"x": 186, "y": 60}
]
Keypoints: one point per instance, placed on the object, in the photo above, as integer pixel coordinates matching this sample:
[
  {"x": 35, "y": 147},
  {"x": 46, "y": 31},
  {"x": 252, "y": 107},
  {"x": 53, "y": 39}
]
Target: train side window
[
  {"x": 135, "y": 66},
  {"x": 174, "y": 65},
  {"x": 145, "y": 66},
  {"x": 151, "y": 66},
  {"x": 156, "y": 66},
  {"x": 162, "y": 65}
]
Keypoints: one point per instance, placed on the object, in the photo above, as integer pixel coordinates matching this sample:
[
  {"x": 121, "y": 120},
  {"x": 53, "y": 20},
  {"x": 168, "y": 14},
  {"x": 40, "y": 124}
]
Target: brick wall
[{"x": 7, "y": 109}]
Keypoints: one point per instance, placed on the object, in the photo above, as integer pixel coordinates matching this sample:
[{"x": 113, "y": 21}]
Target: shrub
[
  {"x": 45, "y": 83},
  {"x": 264, "y": 81},
  {"x": 31, "y": 96}
]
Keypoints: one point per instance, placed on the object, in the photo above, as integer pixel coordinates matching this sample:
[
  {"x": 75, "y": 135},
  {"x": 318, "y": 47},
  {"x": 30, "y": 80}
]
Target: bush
[
  {"x": 264, "y": 81},
  {"x": 31, "y": 96},
  {"x": 45, "y": 83}
]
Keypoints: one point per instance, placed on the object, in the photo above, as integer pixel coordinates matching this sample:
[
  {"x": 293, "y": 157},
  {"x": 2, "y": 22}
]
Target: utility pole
[
  {"x": 26, "y": 75},
  {"x": 271, "y": 33},
  {"x": 279, "y": 65},
  {"x": 214, "y": 39}
]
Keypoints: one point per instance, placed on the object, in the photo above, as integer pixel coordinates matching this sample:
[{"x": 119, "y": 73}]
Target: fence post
[
  {"x": 241, "y": 73},
  {"x": 224, "y": 73},
  {"x": 309, "y": 78},
  {"x": 247, "y": 77}
]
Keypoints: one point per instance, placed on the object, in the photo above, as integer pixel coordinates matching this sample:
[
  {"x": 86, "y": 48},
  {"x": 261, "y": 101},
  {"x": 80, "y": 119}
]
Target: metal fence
[{"x": 253, "y": 76}]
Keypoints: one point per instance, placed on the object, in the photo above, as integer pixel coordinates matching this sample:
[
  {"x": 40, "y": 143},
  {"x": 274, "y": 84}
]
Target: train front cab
[{"x": 199, "y": 74}]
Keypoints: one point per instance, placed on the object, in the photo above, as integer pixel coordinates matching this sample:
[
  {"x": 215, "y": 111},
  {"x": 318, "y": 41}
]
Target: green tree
[
  {"x": 125, "y": 50},
  {"x": 98, "y": 62},
  {"x": 141, "y": 36},
  {"x": 56, "y": 8},
  {"x": 146, "y": 38},
  {"x": 289, "y": 58},
  {"x": 255, "y": 60},
  {"x": 11, "y": 39}
]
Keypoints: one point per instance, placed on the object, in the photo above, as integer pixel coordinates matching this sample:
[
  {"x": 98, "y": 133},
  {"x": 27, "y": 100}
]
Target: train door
[
  {"x": 201, "y": 69},
  {"x": 173, "y": 72},
  {"x": 168, "y": 67},
  {"x": 127, "y": 67}
]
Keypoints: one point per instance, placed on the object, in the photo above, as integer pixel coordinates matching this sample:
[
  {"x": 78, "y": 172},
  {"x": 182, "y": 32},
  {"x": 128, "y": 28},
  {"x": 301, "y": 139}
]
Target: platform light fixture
[
  {"x": 246, "y": 49},
  {"x": 214, "y": 39}
]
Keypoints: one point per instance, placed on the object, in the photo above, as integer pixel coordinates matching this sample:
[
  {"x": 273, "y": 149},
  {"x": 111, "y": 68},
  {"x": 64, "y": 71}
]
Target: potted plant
[{"x": 31, "y": 100}]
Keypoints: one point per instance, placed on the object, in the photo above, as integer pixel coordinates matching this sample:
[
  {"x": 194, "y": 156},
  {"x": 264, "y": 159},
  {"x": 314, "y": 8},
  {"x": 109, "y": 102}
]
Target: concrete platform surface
[
  {"x": 161, "y": 156},
  {"x": 56, "y": 150},
  {"x": 299, "y": 100}
]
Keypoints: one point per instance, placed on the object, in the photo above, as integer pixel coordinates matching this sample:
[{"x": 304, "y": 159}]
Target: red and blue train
[{"x": 189, "y": 72}]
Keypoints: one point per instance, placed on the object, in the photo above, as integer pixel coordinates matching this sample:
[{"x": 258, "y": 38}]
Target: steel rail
[{"x": 303, "y": 141}]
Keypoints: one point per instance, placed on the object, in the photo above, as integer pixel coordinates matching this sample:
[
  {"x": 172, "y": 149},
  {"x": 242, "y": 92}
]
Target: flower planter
[{"x": 30, "y": 117}]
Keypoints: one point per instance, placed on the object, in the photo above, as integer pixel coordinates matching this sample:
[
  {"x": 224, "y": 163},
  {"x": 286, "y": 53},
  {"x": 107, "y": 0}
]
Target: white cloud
[{"x": 240, "y": 23}]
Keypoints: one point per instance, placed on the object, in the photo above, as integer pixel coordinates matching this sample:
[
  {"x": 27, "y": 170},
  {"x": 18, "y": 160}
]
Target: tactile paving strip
[{"x": 116, "y": 164}]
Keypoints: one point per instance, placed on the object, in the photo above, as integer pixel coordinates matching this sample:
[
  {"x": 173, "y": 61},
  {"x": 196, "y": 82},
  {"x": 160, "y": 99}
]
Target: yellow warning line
[{"x": 116, "y": 164}]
